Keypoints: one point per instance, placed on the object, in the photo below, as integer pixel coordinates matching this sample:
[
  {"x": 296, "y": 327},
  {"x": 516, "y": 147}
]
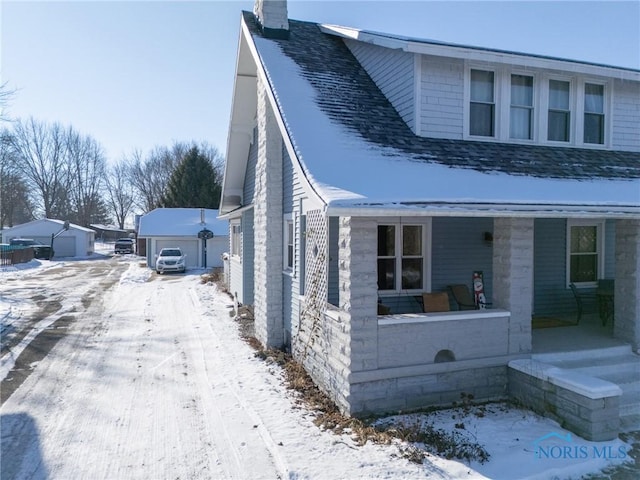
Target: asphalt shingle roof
[{"x": 349, "y": 97}]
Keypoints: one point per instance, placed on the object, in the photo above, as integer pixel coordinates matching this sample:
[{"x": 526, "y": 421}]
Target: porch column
[
  {"x": 268, "y": 227},
  {"x": 513, "y": 277},
  {"x": 358, "y": 297},
  {"x": 627, "y": 286}
]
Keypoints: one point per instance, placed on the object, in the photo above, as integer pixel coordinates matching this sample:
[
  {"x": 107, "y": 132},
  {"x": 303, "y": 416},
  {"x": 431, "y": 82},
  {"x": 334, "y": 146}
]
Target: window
[
  {"x": 593, "y": 113},
  {"x": 236, "y": 238},
  {"x": 482, "y": 107},
  {"x": 400, "y": 249},
  {"x": 288, "y": 244},
  {"x": 584, "y": 251},
  {"x": 559, "y": 120},
  {"x": 521, "y": 118}
]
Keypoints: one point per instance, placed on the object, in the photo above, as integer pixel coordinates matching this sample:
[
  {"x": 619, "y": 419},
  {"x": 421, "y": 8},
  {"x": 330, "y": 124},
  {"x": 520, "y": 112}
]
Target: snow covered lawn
[{"x": 151, "y": 380}]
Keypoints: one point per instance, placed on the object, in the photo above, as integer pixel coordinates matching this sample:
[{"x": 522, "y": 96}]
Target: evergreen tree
[{"x": 195, "y": 183}]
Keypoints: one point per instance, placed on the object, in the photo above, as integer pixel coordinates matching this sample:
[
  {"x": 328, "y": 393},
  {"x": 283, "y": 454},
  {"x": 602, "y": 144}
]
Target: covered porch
[{"x": 406, "y": 360}]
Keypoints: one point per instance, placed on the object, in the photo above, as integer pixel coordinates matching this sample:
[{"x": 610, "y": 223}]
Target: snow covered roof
[
  {"x": 358, "y": 154},
  {"x": 179, "y": 222},
  {"x": 51, "y": 222}
]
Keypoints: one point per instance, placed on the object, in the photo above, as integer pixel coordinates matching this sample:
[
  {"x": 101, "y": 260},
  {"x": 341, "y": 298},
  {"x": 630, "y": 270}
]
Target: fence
[{"x": 14, "y": 254}]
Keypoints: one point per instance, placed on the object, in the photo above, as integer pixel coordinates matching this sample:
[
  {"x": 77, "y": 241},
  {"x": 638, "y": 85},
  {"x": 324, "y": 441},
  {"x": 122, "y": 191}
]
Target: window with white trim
[
  {"x": 236, "y": 238},
  {"x": 401, "y": 255},
  {"x": 584, "y": 251},
  {"x": 289, "y": 236},
  {"x": 482, "y": 104},
  {"x": 503, "y": 103},
  {"x": 593, "y": 113},
  {"x": 521, "y": 114},
  {"x": 559, "y": 115}
]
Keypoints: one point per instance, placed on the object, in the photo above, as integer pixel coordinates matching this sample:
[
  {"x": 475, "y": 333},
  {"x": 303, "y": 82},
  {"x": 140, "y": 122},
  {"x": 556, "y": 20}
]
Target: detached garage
[
  {"x": 77, "y": 241},
  {"x": 197, "y": 231}
]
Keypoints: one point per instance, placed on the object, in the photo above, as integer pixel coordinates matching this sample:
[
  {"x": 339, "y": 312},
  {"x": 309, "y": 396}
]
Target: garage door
[
  {"x": 190, "y": 247},
  {"x": 64, "y": 247}
]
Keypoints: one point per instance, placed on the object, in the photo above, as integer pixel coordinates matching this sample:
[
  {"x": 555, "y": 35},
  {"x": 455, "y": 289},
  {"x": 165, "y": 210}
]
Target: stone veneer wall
[
  {"x": 627, "y": 286},
  {"x": 334, "y": 344},
  {"x": 513, "y": 277},
  {"x": 340, "y": 347},
  {"x": 268, "y": 227},
  {"x": 585, "y": 405}
]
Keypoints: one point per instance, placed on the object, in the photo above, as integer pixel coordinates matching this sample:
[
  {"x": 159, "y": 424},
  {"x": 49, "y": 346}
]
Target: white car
[{"x": 171, "y": 260}]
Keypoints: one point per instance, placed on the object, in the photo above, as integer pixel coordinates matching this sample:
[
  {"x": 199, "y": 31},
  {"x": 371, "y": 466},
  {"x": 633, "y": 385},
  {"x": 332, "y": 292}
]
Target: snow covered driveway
[
  {"x": 151, "y": 381},
  {"x": 110, "y": 371}
]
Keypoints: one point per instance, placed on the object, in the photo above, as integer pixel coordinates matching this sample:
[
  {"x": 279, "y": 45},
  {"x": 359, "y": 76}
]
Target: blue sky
[{"x": 135, "y": 75}]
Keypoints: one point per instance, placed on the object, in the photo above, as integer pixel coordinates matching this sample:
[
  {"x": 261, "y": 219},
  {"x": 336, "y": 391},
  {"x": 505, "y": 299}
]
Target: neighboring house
[
  {"x": 197, "y": 231},
  {"x": 77, "y": 241},
  {"x": 108, "y": 233},
  {"x": 366, "y": 168}
]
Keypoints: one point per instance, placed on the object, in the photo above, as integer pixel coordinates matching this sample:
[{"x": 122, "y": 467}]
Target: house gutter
[
  {"x": 235, "y": 213},
  {"x": 486, "y": 210}
]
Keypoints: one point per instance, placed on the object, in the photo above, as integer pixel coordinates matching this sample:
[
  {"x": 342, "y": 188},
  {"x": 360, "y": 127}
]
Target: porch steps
[{"x": 618, "y": 365}]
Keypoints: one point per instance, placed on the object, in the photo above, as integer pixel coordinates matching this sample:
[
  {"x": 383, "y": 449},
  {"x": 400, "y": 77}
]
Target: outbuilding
[
  {"x": 76, "y": 241},
  {"x": 197, "y": 231}
]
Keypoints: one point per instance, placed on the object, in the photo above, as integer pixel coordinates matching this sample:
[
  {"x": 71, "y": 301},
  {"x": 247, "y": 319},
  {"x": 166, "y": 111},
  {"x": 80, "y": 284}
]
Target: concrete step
[
  {"x": 615, "y": 369},
  {"x": 618, "y": 365},
  {"x": 592, "y": 354}
]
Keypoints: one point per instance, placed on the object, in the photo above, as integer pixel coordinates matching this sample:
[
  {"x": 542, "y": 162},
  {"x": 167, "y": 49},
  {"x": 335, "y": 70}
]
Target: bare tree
[
  {"x": 6, "y": 94},
  {"x": 119, "y": 192},
  {"x": 39, "y": 149},
  {"x": 87, "y": 168},
  {"x": 15, "y": 207},
  {"x": 151, "y": 175}
]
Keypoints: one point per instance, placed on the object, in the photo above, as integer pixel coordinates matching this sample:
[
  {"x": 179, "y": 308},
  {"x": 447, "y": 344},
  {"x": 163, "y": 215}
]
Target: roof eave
[
  {"x": 480, "y": 54},
  {"x": 241, "y": 123},
  {"x": 485, "y": 209}
]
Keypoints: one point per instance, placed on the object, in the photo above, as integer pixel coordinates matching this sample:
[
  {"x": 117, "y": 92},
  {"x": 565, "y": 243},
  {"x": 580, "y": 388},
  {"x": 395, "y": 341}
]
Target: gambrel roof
[{"x": 357, "y": 153}]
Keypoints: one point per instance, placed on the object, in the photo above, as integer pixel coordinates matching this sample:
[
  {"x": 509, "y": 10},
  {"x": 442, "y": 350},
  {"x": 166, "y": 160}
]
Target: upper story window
[
  {"x": 482, "y": 105},
  {"x": 508, "y": 104},
  {"x": 593, "y": 113},
  {"x": 401, "y": 254},
  {"x": 559, "y": 118},
  {"x": 521, "y": 115}
]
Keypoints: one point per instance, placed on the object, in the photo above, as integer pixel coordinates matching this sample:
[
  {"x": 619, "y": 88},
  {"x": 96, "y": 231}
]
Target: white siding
[
  {"x": 442, "y": 97},
  {"x": 393, "y": 73},
  {"x": 216, "y": 246},
  {"x": 626, "y": 115}
]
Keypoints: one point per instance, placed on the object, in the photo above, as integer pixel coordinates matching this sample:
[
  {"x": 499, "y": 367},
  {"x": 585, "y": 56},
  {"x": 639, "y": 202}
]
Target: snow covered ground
[{"x": 151, "y": 380}]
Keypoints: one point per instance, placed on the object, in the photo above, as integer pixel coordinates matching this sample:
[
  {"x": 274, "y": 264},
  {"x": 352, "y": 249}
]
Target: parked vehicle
[
  {"x": 125, "y": 245},
  {"x": 39, "y": 250},
  {"x": 171, "y": 260}
]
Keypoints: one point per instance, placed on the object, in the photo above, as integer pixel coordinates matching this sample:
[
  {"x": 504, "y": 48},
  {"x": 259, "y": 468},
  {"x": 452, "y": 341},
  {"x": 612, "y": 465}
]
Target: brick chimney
[{"x": 272, "y": 17}]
